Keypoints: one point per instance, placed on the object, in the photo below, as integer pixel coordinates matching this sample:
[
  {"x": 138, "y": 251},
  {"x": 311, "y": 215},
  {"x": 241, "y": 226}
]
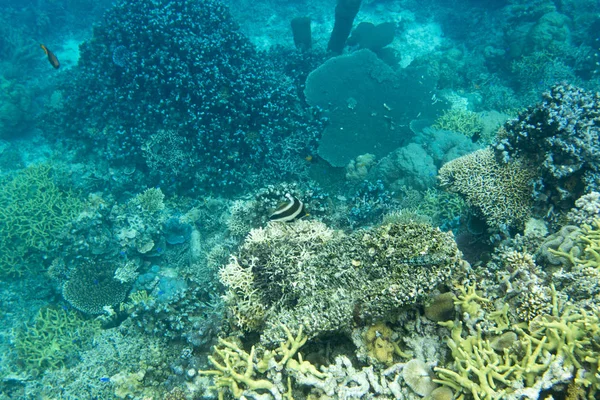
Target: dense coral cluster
[
  {"x": 34, "y": 213},
  {"x": 500, "y": 192},
  {"x": 190, "y": 97},
  {"x": 51, "y": 338},
  {"x": 307, "y": 274},
  {"x": 520, "y": 361},
  {"x": 560, "y": 137}
]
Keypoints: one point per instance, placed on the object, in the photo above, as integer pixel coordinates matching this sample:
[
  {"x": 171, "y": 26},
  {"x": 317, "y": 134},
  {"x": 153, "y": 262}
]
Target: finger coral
[{"x": 554, "y": 348}]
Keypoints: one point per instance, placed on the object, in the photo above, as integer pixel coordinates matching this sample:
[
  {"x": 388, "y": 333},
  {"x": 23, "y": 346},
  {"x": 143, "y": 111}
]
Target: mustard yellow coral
[{"x": 565, "y": 341}]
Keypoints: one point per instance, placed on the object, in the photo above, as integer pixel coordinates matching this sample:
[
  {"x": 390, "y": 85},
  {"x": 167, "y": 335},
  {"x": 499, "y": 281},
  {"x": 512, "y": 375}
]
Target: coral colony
[{"x": 269, "y": 200}]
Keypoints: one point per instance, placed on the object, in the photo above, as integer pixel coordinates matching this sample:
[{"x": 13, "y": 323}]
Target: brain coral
[
  {"x": 500, "y": 192},
  {"x": 307, "y": 274}
]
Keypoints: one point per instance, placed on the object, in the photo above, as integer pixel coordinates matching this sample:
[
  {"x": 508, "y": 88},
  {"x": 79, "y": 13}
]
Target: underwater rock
[
  {"x": 441, "y": 308},
  {"x": 176, "y": 232},
  {"x": 384, "y": 103}
]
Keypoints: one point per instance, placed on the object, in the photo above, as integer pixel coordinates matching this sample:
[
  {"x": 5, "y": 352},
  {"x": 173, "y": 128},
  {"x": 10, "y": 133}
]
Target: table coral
[{"x": 501, "y": 193}]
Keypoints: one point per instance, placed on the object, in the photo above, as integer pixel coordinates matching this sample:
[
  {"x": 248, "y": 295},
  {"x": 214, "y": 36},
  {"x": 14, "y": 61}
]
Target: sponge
[{"x": 345, "y": 11}]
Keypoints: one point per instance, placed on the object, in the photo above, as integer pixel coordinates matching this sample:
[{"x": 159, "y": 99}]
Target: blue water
[{"x": 378, "y": 197}]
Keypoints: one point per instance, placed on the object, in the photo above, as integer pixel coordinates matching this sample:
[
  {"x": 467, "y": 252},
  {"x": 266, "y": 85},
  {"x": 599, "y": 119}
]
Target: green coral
[
  {"x": 151, "y": 200},
  {"x": 49, "y": 340},
  {"x": 441, "y": 206},
  {"x": 585, "y": 251},
  {"x": 34, "y": 211},
  {"x": 460, "y": 120},
  {"x": 307, "y": 274}
]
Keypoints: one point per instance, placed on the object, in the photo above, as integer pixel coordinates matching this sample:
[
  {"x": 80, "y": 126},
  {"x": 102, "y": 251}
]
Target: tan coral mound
[{"x": 500, "y": 192}]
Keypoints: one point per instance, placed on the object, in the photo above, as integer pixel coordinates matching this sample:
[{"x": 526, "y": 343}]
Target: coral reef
[
  {"x": 559, "y": 138},
  {"x": 307, "y": 274},
  {"x": 239, "y": 123},
  {"x": 501, "y": 193}
]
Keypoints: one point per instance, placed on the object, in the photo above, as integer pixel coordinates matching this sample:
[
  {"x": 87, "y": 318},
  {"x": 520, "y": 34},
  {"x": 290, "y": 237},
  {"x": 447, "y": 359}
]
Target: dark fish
[
  {"x": 289, "y": 211},
  {"x": 51, "y": 57}
]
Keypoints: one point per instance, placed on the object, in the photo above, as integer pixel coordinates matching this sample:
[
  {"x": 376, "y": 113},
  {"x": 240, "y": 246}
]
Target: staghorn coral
[
  {"x": 52, "y": 337},
  {"x": 460, "y": 120},
  {"x": 236, "y": 369},
  {"x": 501, "y": 193},
  {"x": 34, "y": 212},
  {"x": 277, "y": 374},
  {"x": 307, "y": 274},
  {"x": 151, "y": 200}
]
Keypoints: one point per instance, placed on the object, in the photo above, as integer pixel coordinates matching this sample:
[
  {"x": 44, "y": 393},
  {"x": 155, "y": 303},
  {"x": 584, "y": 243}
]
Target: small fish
[
  {"x": 289, "y": 211},
  {"x": 51, "y": 57}
]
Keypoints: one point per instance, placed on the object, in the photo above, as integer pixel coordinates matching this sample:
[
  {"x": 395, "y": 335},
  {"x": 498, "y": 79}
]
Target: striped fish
[{"x": 289, "y": 211}]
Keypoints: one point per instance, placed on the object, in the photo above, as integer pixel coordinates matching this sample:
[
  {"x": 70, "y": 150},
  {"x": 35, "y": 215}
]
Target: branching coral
[
  {"x": 33, "y": 213},
  {"x": 460, "y": 120},
  {"x": 48, "y": 341},
  {"x": 500, "y": 192},
  {"x": 551, "y": 349},
  {"x": 236, "y": 369}
]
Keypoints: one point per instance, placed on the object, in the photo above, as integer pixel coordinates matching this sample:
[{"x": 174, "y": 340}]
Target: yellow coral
[
  {"x": 567, "y": 337},
  {"x": 378, "y": 339},
  {"x": 237, "y": 370},
  {"x": 460, "y": 120}
]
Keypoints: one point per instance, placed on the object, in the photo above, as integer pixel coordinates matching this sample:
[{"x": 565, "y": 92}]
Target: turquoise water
[{"x": 299, "y": 199}]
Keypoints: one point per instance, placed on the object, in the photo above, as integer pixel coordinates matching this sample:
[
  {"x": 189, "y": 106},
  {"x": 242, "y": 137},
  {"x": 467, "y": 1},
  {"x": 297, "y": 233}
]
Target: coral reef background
[{"x": 445, "y": 156}]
